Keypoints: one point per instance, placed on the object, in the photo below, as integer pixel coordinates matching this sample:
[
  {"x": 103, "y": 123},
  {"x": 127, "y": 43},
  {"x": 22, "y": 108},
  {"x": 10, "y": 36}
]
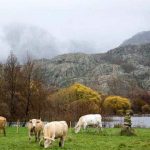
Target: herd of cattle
[{"x": 48, "y": 132}]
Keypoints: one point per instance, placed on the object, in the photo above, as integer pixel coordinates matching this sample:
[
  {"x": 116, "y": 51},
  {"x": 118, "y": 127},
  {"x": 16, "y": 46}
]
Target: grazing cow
[
  {"x": 35, "y": 127},
  {"x": 3, "y": 124},
  {"x": 54, "y": 130},
  {"x": 91, "y": 119}
]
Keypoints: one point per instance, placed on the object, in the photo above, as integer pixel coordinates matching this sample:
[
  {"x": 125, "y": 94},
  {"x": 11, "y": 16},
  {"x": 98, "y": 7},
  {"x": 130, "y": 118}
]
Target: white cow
[
  {"x": 86, "y": 120},
  {"x": 35, "y": 127},
  {"x": 54, "y": 130}
]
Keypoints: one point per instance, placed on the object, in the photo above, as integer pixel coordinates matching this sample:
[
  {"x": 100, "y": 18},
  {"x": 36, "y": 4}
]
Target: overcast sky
[{"x": 91, "y": 26}]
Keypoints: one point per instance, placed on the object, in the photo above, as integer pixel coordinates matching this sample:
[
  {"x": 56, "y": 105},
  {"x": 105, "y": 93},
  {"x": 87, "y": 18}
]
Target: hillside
[
  {"x": 138, "y": 39},
  {"x": 114, "y": 72}
]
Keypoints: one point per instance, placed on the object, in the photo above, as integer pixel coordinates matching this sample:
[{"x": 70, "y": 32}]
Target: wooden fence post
[
  {"x": 18, "y": 126},
  {"x": 70, "y": 124}
]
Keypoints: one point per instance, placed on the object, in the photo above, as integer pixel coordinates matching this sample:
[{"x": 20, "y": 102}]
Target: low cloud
[
  {"x": 22, "y": 39},
  {"x": 39, "y": 43}
]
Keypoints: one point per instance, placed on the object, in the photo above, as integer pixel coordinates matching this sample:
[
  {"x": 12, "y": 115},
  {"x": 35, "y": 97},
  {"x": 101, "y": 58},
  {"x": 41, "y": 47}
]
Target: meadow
[{"x": 109, "y": 139}]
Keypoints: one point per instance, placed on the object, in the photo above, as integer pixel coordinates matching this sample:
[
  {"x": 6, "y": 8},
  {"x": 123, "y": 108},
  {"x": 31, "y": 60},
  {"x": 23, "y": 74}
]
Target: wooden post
[
  {"x": 70, "y": 124},
  {"x": 17, "y": 126}
]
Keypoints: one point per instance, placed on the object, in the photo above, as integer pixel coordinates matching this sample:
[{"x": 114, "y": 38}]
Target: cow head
[
  {"x": 48, "y": 142},
  {"x": 77, "y": 129},
  {"x": 34, "y": 123}
]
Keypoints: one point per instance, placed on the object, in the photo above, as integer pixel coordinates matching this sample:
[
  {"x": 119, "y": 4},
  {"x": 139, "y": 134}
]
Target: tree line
[
  {"x": 24, "y": 95},
  {"x": 22, "y": 92}
]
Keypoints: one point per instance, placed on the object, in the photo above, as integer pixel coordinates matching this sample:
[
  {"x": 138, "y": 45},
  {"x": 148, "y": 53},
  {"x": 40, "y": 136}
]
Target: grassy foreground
[{"x": 109, "y": 139}]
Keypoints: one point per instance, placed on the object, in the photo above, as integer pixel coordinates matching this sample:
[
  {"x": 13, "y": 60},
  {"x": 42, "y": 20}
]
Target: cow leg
[
  {"x": 61, "y": 142},
  {"x": 36, "y": 137},
  {"x": 41, "y": 140},
  {"x": 39, "y": 136},
  {"x": 84, "y": 126},
  {"x": 29, "y": 136},
  {"x": 100, "y": 126},
  {"x": 4, "y": 131}
]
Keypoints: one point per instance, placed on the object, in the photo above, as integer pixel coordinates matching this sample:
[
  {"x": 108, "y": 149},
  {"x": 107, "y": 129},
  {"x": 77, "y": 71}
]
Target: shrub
[
  {"x": 127, "y": 132},
  {"x": 113, "y": 104},
  {"x": 75, "y": 101},
  {"x": 146, "y": 108}
]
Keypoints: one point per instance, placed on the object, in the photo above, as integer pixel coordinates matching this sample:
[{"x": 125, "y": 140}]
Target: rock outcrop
[{"x": 116, "y": 72}]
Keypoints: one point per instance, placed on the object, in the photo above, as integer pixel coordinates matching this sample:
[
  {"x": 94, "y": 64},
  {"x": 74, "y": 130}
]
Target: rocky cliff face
[{"x": 116, "y": 72}]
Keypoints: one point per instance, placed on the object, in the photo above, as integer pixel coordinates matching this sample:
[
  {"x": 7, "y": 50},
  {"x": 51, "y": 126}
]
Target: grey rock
[{"x": 114, "y": 72}]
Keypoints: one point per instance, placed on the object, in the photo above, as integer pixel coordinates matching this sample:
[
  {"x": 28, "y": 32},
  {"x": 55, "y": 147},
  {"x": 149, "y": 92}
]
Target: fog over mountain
[
  {"x": 37, "y": 42},
  {"x": 22, "y": 39},
  {"x": 52, "y": 27}
]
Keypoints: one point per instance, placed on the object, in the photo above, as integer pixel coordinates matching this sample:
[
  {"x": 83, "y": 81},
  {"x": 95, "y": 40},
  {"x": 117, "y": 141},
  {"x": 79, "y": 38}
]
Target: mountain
[
  {"x": 119, "y": 71},
  {"x": 138, "y": 39}
]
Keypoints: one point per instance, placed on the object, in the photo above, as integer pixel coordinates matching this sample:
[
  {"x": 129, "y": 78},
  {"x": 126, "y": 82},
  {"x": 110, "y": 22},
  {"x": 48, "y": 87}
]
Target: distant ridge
[
  {"x": 120, "y": 69},
  {"x": 138, "y": 39}
]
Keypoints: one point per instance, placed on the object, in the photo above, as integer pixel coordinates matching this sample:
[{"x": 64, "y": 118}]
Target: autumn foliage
[
  {"x": 25, "y": 95},
  {"x": 74, "y": 101},
  {"x": 113, "y": 104}
]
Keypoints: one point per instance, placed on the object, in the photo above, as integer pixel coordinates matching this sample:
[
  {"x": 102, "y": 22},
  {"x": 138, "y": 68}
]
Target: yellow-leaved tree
[
  {"x": 72, "y": 102},
  {"x": 115, "y": 104}
]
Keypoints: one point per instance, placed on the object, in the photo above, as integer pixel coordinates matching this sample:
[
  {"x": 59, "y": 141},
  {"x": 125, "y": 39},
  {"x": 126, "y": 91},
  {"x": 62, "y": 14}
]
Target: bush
[
  {"x": 146, "y": 109},
  {"x": 75, "y": 101},
  {"x": 120, "y": 112},
  {"x": 113, "y": 104},
  {"x": 129, "y": 111},
  {"x": 127, "y": 131}
]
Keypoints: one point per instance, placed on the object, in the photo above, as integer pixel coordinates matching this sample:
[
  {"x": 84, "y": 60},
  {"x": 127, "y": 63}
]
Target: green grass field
[{"x": 109, "y": 139}]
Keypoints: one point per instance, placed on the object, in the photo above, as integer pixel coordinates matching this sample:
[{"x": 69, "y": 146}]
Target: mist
[
  {"x": 53, "y": 27},
  {"x": 24, "y": 39}
]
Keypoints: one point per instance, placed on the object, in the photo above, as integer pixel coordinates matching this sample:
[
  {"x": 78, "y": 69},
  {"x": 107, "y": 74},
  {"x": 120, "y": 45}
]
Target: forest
[{"x": 24, "y": 95}]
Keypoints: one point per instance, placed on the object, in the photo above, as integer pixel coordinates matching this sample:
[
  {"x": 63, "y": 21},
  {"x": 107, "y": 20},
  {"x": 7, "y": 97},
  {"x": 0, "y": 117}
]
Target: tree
[
  {"x": 74, "y": 101},
  {"x": 137, "y": 105},
  {"x": 112, "y": 104},
  {"x": 34, "y": 89},
  {"x": 11, "y": 70},
  {"x": 27, "y": 78},
  {"x": 38, "y": 99},
  {"x": 3, "y": 94},
  {"x": 4, "y": 111}
]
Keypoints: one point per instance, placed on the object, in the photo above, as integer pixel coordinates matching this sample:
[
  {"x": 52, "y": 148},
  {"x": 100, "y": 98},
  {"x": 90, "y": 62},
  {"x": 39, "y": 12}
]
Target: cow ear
[{"x": 30, "y": 121}]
